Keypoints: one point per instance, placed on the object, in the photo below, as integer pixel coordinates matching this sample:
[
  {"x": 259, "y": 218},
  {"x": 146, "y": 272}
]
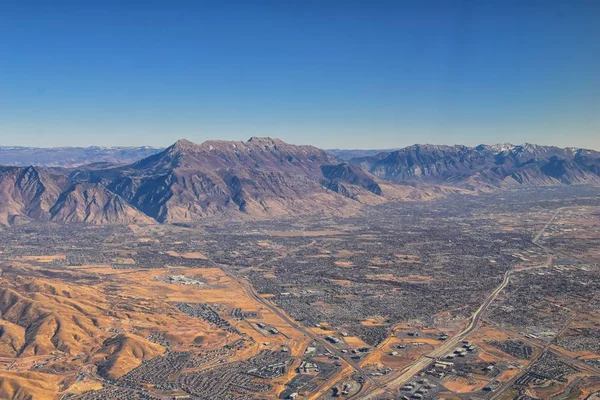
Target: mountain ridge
[
  {"x": 487, "y": 165},
  {"x": 267, "y": 177}
]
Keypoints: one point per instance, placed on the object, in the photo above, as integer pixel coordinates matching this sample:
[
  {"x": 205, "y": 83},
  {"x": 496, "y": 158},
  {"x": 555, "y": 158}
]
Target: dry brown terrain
[{"x": 100, "y": 318}]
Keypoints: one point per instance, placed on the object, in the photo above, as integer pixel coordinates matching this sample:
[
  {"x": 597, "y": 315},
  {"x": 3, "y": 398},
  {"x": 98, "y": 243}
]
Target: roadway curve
[
  {"x": 409, "y": 372},
  {"x": 423, "y": 361},
  {"x": 249, "y": 289}
]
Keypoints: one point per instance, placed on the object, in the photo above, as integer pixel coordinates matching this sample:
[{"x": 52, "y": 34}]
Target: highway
[
  {"x": 423, "y": 361},
  {"x": 541, "y": 232},
  {"x": 377, "y": 389},
  {"x": 410, "y": 371},
  {"x": 508, "y": 384},
  {"x": 249, "y": 289}
]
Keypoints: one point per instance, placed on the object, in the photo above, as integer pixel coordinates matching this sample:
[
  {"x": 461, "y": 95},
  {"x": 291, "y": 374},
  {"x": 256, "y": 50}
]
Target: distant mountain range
[
  {"x": 72, "y": 156},
  {"x": 266, "y": 177},
  {"x": 485, "y": 166},
  {"x": 346, "y": 155}
]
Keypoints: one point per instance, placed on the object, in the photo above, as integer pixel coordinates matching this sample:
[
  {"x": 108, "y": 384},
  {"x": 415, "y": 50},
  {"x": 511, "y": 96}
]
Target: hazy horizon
[
  {"x": 334, "y": 75},
  {"x": 159, "y": 147}
]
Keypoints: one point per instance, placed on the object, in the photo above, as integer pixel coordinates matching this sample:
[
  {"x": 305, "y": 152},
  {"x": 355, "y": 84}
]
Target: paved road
[
  {"x": 541, "y": 232},
  {"x": 378, "y": 389},
  {"x": 423, "y": 361},
  {"x": 249, "y": 289},
  {"x": 414, "y": 368},
  {"x": 508, "y": 384},
  {"x": 252, "y": 293}
]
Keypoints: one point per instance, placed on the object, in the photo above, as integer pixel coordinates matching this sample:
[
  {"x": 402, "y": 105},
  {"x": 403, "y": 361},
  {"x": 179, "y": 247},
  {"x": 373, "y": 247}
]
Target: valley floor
[{"x": 483, "y": 297}]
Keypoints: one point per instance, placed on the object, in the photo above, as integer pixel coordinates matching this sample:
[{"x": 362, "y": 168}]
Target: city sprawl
[{"x": 492, "y": 296}]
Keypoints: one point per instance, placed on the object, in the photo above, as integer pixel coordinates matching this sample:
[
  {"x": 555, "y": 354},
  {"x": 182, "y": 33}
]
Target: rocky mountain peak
[
  {"x": 182, "y": 145},
  {"x": 265, "y": 140},
  {"x": 265, "y": 176},
  {"x": 497, "y": 148}
]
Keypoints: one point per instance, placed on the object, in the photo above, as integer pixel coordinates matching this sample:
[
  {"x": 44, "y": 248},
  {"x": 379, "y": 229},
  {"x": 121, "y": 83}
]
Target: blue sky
[{"x": 346, "y": 74}]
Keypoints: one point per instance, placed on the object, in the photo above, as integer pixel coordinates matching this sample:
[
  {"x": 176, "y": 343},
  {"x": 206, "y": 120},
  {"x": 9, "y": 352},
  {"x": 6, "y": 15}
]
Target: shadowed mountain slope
[
  {"x": 485, "y": 166},
  {"x": 265, "y": 177},
  {"x": 28, "y": 192},
  {"x": 94, "y": 204},
  {"x": 260, "y": 177}
]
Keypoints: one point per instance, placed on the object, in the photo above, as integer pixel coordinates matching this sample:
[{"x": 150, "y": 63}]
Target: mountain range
[
  {"x": 485, "y": 166},
  {"x": 72, "y": 156},
  {"x": 347, "y": 155},
  {"x": 265, "y": 177}
]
